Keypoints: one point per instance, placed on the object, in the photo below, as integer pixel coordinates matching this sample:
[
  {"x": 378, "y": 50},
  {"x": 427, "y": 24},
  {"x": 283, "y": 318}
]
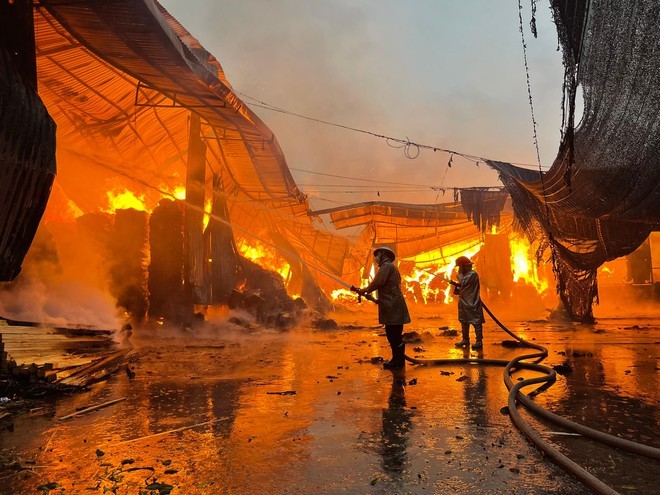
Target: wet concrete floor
[{"x": 232, "y": 411}]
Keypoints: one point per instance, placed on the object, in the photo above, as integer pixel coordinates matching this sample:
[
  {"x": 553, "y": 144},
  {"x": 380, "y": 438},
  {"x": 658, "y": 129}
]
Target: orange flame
[
  {"x": 180, "y": 192},
  {"x": 425, "y": 282},
  {"x": 524, "y": 266},
  {"x": 344, "y": 296},
  {"x": 264, "y": 256},
  {"x": 121, "y": 200},
  {"x": 208, "y": 205},
  {"x": 72, "y": 209},
  {"x": 428, "y": 282}
]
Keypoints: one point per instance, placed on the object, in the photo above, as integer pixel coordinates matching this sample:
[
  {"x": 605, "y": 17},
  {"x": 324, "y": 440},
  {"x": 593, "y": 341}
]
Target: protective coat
[
  {"x": 470, "y": 309},
  {"x": 392, "y": 309}
]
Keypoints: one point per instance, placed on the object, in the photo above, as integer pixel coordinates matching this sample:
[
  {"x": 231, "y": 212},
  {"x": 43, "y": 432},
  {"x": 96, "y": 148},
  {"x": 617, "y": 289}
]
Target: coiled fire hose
[{"x": 515, "y": 396}]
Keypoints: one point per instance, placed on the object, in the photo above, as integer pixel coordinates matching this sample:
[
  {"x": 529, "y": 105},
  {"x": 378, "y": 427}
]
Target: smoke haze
[{"x": 447, "y": 74}]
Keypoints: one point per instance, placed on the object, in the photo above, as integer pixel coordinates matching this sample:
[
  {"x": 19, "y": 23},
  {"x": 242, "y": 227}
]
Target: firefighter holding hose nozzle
[
  {"x": 470, "y": 308},
  {"x": 392, "y": 309}
]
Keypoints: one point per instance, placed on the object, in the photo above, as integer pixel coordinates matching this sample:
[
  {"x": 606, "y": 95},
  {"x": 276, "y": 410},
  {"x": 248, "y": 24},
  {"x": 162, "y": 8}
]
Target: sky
[{"x": 444, "y": 73}]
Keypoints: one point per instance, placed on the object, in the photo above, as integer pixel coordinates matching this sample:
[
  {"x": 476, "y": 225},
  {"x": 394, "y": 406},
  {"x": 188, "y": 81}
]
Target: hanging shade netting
[
  {"x": 601, "y": 197},
  {"x": 121, "y": 79}
]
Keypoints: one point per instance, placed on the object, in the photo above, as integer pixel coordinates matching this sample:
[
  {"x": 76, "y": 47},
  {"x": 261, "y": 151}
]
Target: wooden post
[
  {"x": 166, "y": 294},
  {"x": 222, "y": 248},
  {"x": 195, "y": 289}
]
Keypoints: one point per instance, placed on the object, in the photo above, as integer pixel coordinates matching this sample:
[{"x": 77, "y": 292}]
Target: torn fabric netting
[{"x": 601, "y": 197}]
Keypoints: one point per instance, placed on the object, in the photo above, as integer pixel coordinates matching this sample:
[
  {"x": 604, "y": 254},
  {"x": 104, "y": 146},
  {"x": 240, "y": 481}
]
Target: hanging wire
[
  {"x": 551, "y": 243},
  {"x": 411, "y": 149},
  {"x": 532, "y": 22},
  {"x": 374, "y": 181},
  {"x": 402, "y": 184},
  {"x": 529, "y": 86}
]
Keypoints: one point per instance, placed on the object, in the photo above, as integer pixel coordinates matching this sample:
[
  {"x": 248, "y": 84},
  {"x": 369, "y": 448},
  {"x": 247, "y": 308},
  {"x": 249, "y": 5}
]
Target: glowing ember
[
  {"x": 121, "y": 200},
  {"x": 264, "y": 256}
]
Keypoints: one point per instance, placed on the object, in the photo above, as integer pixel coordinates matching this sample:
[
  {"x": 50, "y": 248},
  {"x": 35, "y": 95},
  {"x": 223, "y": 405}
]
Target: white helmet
[{"x": 385, "y": 250}]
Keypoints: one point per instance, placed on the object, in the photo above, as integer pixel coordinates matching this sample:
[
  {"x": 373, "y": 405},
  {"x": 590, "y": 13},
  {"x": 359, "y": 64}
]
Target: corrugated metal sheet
[
  {"x": 414, "y": 229},
  {"x": 108, "y": 71},
  {"x": 120, "y": 77}
]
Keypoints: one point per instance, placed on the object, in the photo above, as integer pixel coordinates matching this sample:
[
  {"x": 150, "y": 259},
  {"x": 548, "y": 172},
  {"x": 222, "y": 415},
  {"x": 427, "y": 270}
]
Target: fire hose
[
  {"x": 516, "y": 396},
  {"x": 515, "y": 393}
]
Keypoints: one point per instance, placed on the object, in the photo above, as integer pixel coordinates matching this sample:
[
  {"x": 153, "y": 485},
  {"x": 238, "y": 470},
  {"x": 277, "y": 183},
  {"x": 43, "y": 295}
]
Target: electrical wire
[
  {"x": 410, "y": 148},
  {"x": 373, "y": 181}
]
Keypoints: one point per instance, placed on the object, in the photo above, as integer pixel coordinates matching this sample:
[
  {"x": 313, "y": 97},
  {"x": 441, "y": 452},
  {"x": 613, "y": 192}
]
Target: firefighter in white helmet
[
  {"x": 470, "y": 308},
  {"x": 392, "y": 309}
]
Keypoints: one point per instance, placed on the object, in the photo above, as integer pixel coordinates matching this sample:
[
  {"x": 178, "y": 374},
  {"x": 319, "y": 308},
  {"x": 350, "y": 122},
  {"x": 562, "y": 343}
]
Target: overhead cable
[{"x": 410, "y": 148}]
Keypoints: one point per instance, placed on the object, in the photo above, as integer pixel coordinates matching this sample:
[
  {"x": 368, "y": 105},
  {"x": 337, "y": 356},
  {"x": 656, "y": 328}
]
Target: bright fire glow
[
  {"x": 424, "y": 277},
  {"x": 180, "y": 192},
  {"x": 264, "y": 256},
  {"x": 72, "y": 209},
  {"x": 344, "y": 296},
  {"x": 122, "y": 200},
  {"x": 427, "y": 283},
  {"x": 207, "y": 212},
  {"x": 524, "y": 266}
]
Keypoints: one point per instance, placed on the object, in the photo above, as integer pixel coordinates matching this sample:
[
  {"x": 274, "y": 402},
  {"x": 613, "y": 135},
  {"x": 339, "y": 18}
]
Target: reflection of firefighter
[
  {"x": 397, "y": 423},
  {"x": 392, "y": 309},
  {"x": 470, "y": 309}
]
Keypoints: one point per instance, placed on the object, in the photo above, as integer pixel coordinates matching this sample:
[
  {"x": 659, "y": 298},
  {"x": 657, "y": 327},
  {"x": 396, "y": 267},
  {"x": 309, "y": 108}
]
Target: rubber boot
[
  {"x": 398, "y": 358},
  {"x": 391, "y": 361},
  {"x": 479, "y": 331},
  {"x": 465, "y": 330}
]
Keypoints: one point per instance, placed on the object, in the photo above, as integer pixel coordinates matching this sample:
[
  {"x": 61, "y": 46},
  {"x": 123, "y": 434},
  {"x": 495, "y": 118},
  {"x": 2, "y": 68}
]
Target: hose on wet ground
[{"x": 548, "y": 378}]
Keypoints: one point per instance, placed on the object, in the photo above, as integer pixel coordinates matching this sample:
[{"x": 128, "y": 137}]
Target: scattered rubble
[
  {"x": 325, "y": 324},
  {"x": 563, "y": 369},
  {"x": 416, "y": 337}
]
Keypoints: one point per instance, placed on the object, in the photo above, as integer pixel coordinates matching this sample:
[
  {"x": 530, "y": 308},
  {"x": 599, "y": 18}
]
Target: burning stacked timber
[
  {"x": 145, "y": 259},
  {"x": 168, "y": 266}
]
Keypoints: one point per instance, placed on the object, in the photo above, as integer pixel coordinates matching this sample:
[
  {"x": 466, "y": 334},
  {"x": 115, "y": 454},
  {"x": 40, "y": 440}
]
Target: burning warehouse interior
[{"x": 182, "y": 311}]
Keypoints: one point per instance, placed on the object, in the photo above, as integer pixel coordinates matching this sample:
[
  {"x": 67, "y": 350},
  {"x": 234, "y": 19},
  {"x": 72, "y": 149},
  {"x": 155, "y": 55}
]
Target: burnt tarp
[
  {"x": 483, "y": 206},
  {"x": 27, "y": 140},
  {"x": 601, "y": 197}
]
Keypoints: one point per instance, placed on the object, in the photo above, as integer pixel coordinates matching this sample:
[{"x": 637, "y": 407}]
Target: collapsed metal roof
[{"x": 121, "y": 79}]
